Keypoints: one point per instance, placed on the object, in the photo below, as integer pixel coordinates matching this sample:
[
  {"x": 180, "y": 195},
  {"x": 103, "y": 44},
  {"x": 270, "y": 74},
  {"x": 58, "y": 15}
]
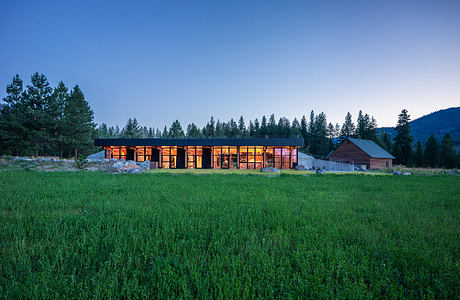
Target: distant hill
[{"x": 438, "y": 123}]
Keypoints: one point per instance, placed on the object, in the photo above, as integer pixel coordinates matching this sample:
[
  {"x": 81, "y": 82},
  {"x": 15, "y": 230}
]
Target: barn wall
[
  {"x": 349, "y": 152},
  {"x": 381, "y": 163}
]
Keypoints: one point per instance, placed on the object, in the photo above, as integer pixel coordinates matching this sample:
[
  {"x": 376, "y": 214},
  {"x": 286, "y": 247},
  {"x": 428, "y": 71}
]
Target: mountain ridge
[{"x": 437, "y": 123}]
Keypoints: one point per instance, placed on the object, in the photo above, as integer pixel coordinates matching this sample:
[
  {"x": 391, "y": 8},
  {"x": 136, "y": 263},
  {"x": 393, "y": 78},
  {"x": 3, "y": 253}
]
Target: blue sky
[{"x": 188, "y": 60}]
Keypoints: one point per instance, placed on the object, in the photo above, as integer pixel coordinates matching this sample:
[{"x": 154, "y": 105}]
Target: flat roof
[{"x": 201, "y": 142}]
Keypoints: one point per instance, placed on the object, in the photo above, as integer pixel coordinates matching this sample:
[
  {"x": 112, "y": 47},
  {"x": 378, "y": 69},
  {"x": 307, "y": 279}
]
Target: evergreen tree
[
  {"x": 251, "y": 129},
  {"x": 271, "y": 127},
  {"x": 304, "y": 128},
  {"x": 295, "y": 129},
  {"x": 418, "y": 157},
  {"x": 447, "y": 155},
  {"x": 361, "y": 126},
  {"x": 257, "y": 128},
  {"x": 431, "y": 152},
  {"x": 165, "y": 133},
  {"x": 219, "y": 129},
  {"x": 402, "y": 147},
  {"x": 387, "y": 141},
  {"x": 103, "y": 131},
  {"x": 117, "y": 132},
  {"x": 55, "y": 110},
  {"x": 348, "y": 128},
  {"x": 210, "y": 129},
  {"x": 175, "y": 131},
  {"x": 242, "y": 127},
  {"x": 131, "y": 129},
  {"x": 284, "y": 127},
  {"x": 158, "y": 133},
  {"x": 151, "y": 132},
  {"x": 13, "y": 134},
  {"x": 193, "y": 131},
  {"x": 371, "y": 129},
  {"x": 78, "y": 123},
  {"x": 337, "y": 130},
  {"x": 330, "y": 131},
  {"x": 37, "y": 118},
  {"x": 263, "y": 127},
  {"x": 319, "y": 142}
]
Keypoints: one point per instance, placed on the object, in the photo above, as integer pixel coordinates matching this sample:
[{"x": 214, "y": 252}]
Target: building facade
[
  {"x": 362, "y": 152},
  {"x": 212, "y": 153}
]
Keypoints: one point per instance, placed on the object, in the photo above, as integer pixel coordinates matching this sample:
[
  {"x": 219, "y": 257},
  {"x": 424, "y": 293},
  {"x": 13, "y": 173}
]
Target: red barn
[{"x": 362, "y": 152}]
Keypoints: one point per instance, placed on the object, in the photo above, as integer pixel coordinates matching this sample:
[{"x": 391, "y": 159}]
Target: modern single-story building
[
  {"x": 362, "y": 152},
  {"x": 209, "y": 153}
]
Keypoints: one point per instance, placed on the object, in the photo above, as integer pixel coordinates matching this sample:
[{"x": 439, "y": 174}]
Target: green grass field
[{"x": 89, "y": 234}]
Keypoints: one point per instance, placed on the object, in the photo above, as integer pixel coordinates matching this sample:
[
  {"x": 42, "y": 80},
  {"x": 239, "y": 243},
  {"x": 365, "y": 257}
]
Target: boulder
[
  {"x": 118, "y": 165},
  {"x": 134, "y": 171},
  {"x": 397, "y": 173},
  {"x": 320, "y": 171},
  {"x": 300, "y": 168},
  {"x": 145, "y": 165},
  {"x": 113, "y": 160},
  {"x": 269, "y": 170},
  {"x": 407, "y": 173},
  {"x": 122, "y": 159},
  {"x": 130, "y": 165}
]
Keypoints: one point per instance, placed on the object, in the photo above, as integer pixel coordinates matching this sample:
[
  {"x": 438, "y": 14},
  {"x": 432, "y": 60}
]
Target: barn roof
[
  {"x": 201, "y": 142},
  {"x": 371, "y": 148}
]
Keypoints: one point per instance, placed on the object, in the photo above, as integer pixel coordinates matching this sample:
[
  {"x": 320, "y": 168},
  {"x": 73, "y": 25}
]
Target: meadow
[{"x": 160, "y": 235}]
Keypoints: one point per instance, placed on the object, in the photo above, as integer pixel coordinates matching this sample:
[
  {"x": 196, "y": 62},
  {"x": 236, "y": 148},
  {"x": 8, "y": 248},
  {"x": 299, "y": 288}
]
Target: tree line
[
  {"x": 431, "y": 155},
  {"x": 320, "y": 137},
  {"x": 42, "y": 120}
]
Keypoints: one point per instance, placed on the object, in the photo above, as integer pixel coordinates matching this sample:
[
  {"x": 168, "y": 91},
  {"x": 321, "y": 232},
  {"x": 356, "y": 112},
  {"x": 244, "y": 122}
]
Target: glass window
[
  {"x": 165, "y": 151},
  {"x": 198, "y": 162},
  {"x": 165, "y": 165},
  {"x": 294, "y": 155}
]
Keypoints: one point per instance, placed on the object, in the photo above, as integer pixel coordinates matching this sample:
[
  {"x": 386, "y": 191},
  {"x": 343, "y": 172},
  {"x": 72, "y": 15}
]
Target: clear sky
[{"x": 188, "y": 60}]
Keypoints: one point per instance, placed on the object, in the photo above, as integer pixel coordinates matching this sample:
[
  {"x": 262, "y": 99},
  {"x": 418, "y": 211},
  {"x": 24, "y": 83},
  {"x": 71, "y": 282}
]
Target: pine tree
[
  {"x": 56, "y": 106},
  {"x": 271, "y": 127},
  {"x": 263, "y": 127},
  {"x": 418, "y": 157},
  {"x": 319, "y": 141},
  {"x": 219, "y": 129},
  {"x": 37, "y": 120},
  {"x": 251, "y": 129},
  {"x": 361, "y": 125},
  {"x": 242, "y": 127},
  {"x": 165, "y": 133},
  {"x": 295, "y": 129},
  {"x": 78, "y": 123},
  {"x": 431, "y": 152},
  {"x": 257, "y": 128},
  {"x": 402, "y": 147},
  {"x": 209, "y": 129},
  {"x": 13, "y": 134},
  {"x": 284, "y": 127},
  {"x": 447, "y": 155},
  {"x": 348, "y": 128},
  {"x": 175, "y": 131},
  {"x": 193, "y": 131}
]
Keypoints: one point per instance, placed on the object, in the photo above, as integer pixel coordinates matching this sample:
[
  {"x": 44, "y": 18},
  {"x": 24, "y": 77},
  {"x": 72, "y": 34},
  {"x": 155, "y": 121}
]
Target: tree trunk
[
  {"x": 60, "y": 150},
  {"x": 36, "y": 150},
  {"x": 76, "y": 153}
]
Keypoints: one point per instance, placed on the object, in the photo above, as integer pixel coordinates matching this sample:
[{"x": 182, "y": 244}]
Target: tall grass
[{"x": 81, "y": 235}]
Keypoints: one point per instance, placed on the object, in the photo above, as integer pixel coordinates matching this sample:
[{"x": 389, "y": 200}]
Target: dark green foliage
[
  {"x": 131, "y": 129},
  {"x": 438, "y": 123},
  {"x": 447, "y": 155},
  {"x": 175, "y": 131},
  {"x": 348, "y": 128},
  {"x": 78, "y": 123},
  {"x": 91, "y": 235},
  {"x": 432, "y": 152},
  {"x": 33, "y": 122},
  {"x": 402, "y": 147},
  {"x": 242, "y": 131},
  {"x": 193, "y": 131},
  {"x": 419, "y": 159},
  {"x": 81, "y": 163}
]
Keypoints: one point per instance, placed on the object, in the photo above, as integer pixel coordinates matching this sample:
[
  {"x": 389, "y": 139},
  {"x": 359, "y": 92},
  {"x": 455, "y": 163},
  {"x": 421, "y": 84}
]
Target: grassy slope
[{"x": 92, "y": 234}]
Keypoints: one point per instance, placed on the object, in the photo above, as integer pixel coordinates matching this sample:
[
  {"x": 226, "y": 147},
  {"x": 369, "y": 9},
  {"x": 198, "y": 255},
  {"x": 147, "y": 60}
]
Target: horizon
[{"x": 160, "y": 62}]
